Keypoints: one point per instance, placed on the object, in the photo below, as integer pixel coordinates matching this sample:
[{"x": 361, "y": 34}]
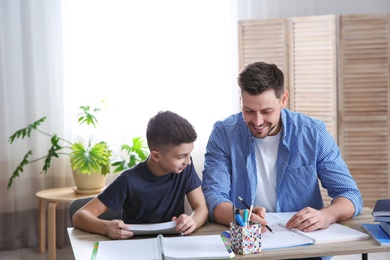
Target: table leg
[
  {"x": 52, "y": 243},
  {"x": 42, "y": 225}
]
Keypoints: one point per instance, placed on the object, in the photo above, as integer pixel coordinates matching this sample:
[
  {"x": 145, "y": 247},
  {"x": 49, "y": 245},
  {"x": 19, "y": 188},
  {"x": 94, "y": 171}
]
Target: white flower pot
[{"x": 89, "y": 183}]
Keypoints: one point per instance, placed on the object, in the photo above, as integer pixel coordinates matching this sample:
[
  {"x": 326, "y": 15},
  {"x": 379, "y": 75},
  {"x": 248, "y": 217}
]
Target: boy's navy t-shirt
[{"x": 145, "y": 198}]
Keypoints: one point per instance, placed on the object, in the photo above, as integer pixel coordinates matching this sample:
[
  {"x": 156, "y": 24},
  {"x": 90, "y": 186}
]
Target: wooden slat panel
[
  {"x": 363, "y": 102},
  {"x": 313, "y": 84},
  {"x": 264, "y": 40}
]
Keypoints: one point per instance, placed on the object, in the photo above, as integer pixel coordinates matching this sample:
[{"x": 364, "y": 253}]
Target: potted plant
[{"x": 93, "y": 158}]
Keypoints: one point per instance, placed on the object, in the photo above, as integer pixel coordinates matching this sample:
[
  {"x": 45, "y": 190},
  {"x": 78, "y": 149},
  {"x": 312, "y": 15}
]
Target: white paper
[
  {"x": 334, "y": 233},
  {"x": 195, "y": 247},
  {"x": 142, "y": 249},
  {"x": 154, "y": 229},
  {"x": 179, "y": 247}
]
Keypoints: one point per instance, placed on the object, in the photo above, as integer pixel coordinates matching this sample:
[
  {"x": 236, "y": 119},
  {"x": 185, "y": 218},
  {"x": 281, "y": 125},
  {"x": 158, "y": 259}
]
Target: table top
[
  {"x": 82, "y": 242},
  {"x": 63, "y": 194}
]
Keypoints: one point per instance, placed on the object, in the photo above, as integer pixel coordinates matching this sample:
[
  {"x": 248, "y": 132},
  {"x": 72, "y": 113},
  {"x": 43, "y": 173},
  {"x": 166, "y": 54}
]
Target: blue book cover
[
  {"x": 377, "y": 233},
  {"x": 382, "y": 219},
  {"x": 382, "y": 208},
  {"x": 385, "y": 226}
]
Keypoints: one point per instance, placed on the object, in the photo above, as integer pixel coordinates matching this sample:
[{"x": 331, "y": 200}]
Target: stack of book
[
  {"x": 381, "y": 214},
  {"x": 380, "y": 232}
]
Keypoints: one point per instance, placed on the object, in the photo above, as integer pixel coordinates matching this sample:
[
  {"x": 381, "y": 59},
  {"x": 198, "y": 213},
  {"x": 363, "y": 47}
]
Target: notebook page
[
  {"x": 195, "y": 247},
  {"x": 283, "y": 237},
  {"x": 129, "y": 249},
  {"x": 334, "y": 233},
  {"x": 280, "y": 217}
]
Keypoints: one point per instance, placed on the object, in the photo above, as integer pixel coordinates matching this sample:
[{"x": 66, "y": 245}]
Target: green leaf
[
  {"x": 52, "y": 153},
  {"x": 94, "y": 159},
  {"x": 87, "y": 117},
  {"x": 120, "y": 168},
  {"x": 118, "y": 163},
  {"x": 26, "y": 131},
  {"x": 19, "y": 169},
  {"x": 138, "y": 147},
  {"x": 137, "y": 153}
]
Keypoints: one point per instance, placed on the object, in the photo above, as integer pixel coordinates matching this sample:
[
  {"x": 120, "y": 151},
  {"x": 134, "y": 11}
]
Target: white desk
[{"x": 83, "y": 242}]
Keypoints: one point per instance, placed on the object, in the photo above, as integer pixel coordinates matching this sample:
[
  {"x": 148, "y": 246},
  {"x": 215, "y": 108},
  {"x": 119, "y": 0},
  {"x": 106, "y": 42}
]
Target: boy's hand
[
  {"x": 117, "y": 229},
  {"x": 184, "y": 224}
]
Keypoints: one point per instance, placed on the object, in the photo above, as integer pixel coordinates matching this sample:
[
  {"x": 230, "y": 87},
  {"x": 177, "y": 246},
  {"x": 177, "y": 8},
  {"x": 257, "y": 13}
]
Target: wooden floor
[
  {"x": 32, "y": 253},
  {"x": 66, "y": 254}
]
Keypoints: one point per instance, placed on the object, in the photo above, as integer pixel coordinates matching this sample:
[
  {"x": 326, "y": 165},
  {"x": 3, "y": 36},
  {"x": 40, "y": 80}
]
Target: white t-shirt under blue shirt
[{"x": 266, "y": 150}]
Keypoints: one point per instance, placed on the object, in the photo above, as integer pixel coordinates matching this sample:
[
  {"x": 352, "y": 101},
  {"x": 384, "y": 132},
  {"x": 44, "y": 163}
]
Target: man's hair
[
  {"x": 168, "y": 129},
  {"x": 258, "y": 77}
]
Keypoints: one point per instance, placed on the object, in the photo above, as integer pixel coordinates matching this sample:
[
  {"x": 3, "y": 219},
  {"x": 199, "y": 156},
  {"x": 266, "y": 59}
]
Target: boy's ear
[{"x": 155, "y": 155}]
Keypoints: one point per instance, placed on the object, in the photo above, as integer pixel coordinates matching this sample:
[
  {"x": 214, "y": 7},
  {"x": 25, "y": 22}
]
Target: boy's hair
[
  {"x": 168, "y": 129},
  {"x": 259, "y": 77}
]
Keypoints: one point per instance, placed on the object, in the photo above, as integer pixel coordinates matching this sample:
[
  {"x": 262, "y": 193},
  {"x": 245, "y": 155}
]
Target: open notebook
[
  {"x": 284, "y": 237},
  {"x": 160, "y": 247}
]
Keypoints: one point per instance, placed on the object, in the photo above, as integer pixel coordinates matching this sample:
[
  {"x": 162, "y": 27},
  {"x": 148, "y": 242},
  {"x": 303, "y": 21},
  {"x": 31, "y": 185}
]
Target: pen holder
[{"x": 245, "y": 240}]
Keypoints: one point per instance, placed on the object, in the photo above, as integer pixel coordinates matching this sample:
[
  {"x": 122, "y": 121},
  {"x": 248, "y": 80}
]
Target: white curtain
[
  {"x": 31, "y": 86},
  {"x": 140, "y": 56}
]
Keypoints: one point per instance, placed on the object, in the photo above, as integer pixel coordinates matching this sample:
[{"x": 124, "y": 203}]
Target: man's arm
[
  {"x": 309, "y": 219},
  {"x": 223, "y": 213},
  {"x": 86, "y": 218},
  {"x": 216, "y": 182}
]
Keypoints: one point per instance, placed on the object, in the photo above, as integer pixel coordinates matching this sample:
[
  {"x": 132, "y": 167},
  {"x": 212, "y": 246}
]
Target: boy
[{"x": 154, "y": 190}]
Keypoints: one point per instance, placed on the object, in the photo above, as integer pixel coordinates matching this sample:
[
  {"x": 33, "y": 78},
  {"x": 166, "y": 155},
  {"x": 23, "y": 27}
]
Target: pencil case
[{"x": 245, "y": 240}]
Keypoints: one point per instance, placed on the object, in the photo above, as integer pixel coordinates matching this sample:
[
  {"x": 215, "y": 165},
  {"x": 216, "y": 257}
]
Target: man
[{"x": 272, "y": 158}]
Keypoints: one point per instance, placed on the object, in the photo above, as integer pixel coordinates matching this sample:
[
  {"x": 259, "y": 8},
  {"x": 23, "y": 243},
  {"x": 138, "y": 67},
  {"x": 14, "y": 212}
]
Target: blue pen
[{"x": 239, "y": 220}]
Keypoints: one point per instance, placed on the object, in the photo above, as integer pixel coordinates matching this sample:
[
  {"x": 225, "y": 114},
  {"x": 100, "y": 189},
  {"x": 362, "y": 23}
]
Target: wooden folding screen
[
  {"x": 364, "y": 64},
  {"x": 264, "y": 40},
  {"x": 313, "y": 79},
  {"x": 342, "y": 79}
]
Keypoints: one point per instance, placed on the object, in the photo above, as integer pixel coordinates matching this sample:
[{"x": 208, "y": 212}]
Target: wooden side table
[{"x": 52, "y": 197}]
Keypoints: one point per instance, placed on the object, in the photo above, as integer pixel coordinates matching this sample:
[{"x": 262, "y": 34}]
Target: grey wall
[{"x": 266, "y": 9}]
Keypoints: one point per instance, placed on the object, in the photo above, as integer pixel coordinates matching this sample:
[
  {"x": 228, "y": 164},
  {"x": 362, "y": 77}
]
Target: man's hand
[
  {"x": 259, "y": 217},
  {"x": 309, "y": 219},
  {"x": 117, "y": 229},
  {"x": 184, "y": 224}
]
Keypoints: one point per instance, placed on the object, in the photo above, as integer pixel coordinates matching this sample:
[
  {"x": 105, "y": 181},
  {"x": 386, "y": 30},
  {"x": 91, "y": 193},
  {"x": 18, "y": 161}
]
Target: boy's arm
[
  {"x": 199, "y": 206},
  {"x": 86, "y": 218},
  {"x": 188, "y": 224}
]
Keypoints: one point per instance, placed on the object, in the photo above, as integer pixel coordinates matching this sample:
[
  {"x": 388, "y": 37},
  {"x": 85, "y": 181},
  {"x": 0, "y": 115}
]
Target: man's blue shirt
[{"x": 307, "y": 154}]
